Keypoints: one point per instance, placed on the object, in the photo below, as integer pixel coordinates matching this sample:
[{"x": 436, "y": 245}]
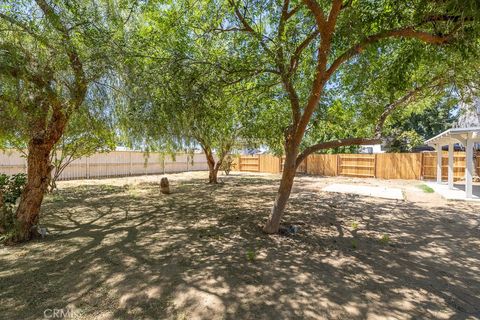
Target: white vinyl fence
[{"x": 112, "y": 164}]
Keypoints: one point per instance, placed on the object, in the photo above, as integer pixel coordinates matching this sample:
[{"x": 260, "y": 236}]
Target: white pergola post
[
  {"x": 439, "y": 163},
  {"x": 469, "y": 169},
  {"x": 450, "y": 165}
]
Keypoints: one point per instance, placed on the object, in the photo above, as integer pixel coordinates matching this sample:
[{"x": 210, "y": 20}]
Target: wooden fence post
[
  {"x": 338, "y": 165},
  {"x": 421, "y": 165},
  {"x": 87, "y": 168},
  {"x": 375, "y": 166}
]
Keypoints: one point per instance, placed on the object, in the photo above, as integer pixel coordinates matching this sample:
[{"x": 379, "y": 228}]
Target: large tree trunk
[
  {"x": 38, "y": 178},
  {"x": 212, "y": 176},
  {"x": 283, "y": 194},
  {"x": 213, "y": 168},
  {"x": 46, "y": 135}
]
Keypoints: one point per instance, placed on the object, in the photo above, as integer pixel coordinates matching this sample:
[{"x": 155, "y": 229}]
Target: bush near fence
[{"x": 409, "y": 166}]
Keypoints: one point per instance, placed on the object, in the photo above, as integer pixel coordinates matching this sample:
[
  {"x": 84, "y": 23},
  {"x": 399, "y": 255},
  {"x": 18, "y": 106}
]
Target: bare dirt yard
[{"x": 119, "y": 249}]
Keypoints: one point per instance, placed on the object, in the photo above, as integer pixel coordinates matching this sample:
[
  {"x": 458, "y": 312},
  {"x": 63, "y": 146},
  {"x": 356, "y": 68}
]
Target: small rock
[
  {"x": 286, "y": 231},
  {"x": 293, "y": 229},
  {"x": 43, "y": 232}
]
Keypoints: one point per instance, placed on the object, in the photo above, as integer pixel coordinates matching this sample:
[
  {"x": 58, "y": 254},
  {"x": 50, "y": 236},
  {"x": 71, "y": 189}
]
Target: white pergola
[{"x": 467, "y": 137}]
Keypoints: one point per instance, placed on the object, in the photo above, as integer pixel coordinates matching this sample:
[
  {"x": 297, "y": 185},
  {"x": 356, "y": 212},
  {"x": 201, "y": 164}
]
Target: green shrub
[
  {"x": 354, "y": 225},
  {"x": 426, "y": 188},
  {"x": 11, "y": 188},
  {"x": 251, "y": 254},
  {"x": 354, "y": 244},
  {"x": 228, "y": 164},
  {"x": 385, "y": 239}
]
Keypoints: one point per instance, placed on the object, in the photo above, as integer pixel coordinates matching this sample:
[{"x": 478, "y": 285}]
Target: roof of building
[{"x": 456, "y": 135}]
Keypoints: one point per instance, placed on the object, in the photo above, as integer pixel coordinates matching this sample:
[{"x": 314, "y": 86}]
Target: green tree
[
  {"x": 412, "y": 94},
  {"x": 306, "y": 44},
  {"x": 51, "y": 53},
  {"x": 182, "y": 92},
  {"x": 409, "y": 129}
]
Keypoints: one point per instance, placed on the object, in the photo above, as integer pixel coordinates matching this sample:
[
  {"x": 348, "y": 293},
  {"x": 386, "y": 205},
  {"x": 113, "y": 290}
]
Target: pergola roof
[
  {"x": 455, "y": 135},
  {"x": 466, "y": 136}
]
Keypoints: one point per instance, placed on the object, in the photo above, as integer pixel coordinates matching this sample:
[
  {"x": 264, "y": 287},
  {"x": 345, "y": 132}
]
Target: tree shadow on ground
[{"x": 131, "y": 252}]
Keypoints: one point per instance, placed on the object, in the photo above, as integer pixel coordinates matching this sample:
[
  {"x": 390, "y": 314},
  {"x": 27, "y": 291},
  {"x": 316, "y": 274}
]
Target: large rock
[{"x": 164, "y": 186}]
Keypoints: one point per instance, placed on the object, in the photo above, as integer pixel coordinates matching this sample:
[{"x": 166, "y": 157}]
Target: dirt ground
[{"x": 118, "y": 249}]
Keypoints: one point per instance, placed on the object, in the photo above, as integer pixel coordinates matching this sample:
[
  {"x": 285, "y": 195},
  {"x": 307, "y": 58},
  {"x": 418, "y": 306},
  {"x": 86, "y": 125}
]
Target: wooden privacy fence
[
  {"x": 128, "y": 163},
  {"x": 356, "y": 165},
  {"x": 112, "y": 164},
  {"x": 399, "y": 166},
  {"x": 459, "y": 164},
  {"x": 248, "y": 163},
  {"x": 410, "y": 166},
  {"x": 262, "y": 163}
]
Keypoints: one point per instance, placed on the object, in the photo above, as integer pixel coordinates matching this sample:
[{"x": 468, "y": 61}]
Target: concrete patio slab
[
  {"x": 458, "y": 193},
  {"x": 369, "y": 191}
]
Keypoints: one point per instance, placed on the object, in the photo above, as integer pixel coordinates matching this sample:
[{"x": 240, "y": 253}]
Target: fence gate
[
  {"x": 249, "y": 163},
  {"x": 356, "y": 165}
]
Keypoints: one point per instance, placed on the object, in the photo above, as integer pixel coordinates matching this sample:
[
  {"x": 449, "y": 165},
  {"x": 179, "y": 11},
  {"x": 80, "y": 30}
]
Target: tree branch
[
  {"x": 301, "y": 47},
  {"x": 326, "y": 29},
  {"x": 317, "y": 12},
  {"x": 292, "y": 12},
  {"x": 249, "y": 28},
  {"x": 435, "y": 82},
  {"x": 281, "y": 30},
  {"x": 232, "y": 29},
  {"x": 389, "y": 109},
  {"x": 407, "y": 32},
  {"x": 75, "y": 62},
  {"x": 24, "y": 27},
  {"x": 335, "y": 144},
  {"x": 284, "y": 73},
  {"x": 293, "y": 97},
  {"x": 347, "y": 4}
]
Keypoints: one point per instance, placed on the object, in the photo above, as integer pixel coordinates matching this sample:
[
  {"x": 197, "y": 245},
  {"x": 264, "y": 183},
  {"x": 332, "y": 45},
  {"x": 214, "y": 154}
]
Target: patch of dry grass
[{"x": 122, "y": 250}]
